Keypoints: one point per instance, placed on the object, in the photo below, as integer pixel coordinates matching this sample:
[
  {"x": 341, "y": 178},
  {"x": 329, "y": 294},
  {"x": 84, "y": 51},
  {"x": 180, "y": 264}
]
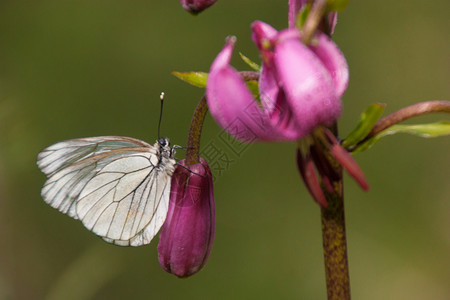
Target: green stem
[{"x": 195, "y": 132}]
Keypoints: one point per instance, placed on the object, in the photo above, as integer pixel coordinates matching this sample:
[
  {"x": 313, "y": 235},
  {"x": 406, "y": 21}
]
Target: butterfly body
[{"x": 118, "y": 187}]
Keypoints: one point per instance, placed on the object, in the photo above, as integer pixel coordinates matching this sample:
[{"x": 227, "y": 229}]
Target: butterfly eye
[{"x": 162, "y": 142}]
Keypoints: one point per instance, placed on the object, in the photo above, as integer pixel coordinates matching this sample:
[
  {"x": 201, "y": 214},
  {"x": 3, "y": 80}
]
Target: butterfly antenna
[{"x": 160, "y": 114}]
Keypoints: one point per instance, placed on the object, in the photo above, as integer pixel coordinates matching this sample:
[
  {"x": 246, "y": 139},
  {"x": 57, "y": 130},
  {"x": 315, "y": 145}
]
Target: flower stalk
[
  {"x": 249, "y": 75},
  {"x": 408, "y": 112},
  {"x": 314, "y": 18},
  {"x": 321, "y": 161},
  {"x": 332, "y": 216},
  {"x": 335, "y": 244},
  {"x": 334, "y": 237},
  {"x": 195, "y": 132}
]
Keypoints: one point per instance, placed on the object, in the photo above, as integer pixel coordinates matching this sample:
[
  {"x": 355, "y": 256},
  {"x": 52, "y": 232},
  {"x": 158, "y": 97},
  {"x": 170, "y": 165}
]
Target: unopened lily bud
[
  {"x": 196, "y": 6},
  {"x": 187, "y": 235}
]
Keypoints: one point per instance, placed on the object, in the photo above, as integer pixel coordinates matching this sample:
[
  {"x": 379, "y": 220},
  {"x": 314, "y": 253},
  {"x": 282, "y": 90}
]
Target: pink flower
[
  {"x": 187, "y": 235},
  {"x": 299, "y": 87}
]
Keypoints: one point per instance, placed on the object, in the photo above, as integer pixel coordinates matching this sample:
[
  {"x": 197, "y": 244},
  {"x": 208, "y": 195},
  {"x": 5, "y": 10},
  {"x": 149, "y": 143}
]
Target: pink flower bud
[
  {"x": 196, "y": 6},
  {"x": 187, "y": 235}
]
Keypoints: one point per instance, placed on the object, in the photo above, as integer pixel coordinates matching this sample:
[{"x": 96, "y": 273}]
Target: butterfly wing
[{"x": 112, "y": 184}]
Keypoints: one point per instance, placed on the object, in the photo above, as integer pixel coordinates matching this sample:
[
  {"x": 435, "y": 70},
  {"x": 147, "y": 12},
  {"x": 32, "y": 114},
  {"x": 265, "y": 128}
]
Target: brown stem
[
  {"x": 249, "y": 75},
  {"x": 195, "y": 132},
  {"x": 314, "y": 18},
  {"x": 405, "y": 113},
  {"x": 333, "y": 217},
  {"x": 334, "y": 236},
  {"x": 335, "y": 245}
]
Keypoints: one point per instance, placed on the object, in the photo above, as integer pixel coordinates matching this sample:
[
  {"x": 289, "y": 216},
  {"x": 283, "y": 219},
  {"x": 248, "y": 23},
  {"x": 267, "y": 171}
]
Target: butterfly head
[
  {"x": 164, "y": 146},
  {"x": 163, "y": 142}
]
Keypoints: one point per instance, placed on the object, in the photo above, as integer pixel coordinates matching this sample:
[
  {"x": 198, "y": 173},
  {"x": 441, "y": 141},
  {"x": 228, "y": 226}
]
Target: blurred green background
[{"x": 73, "y": 69}]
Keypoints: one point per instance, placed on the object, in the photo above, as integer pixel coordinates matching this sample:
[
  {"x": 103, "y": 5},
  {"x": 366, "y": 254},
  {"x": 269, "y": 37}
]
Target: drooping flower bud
[
  {"x": 187, "y": 235},
  {"x": 196, "y": 6}
]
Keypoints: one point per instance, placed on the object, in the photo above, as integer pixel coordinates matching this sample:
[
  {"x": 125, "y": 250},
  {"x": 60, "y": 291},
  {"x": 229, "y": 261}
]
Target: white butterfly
[{"x": 119, "y": 187}]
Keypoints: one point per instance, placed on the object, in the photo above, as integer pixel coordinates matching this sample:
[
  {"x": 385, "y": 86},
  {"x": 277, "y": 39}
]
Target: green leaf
[
  {"x": 368, "y": 119},
  {"x": 336, "y": 5},
  {"x": 250, "y": 63},
  {"x": 254, "y": 88},
  {"x": 302, "y": 16},
  {"x": 197, "y": 79},
  {"x": 423, "y": 130}
]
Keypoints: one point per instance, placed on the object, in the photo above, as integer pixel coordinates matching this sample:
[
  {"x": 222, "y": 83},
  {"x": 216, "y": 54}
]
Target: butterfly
[{"x": 118, "y": 187}]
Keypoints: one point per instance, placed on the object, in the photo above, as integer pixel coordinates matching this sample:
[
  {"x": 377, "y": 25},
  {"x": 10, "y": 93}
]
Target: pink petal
[
  {"x": 232, "y": 105},
  {"x": 271, "y": 95},
  {"x": 307, "y": 171},
  {"x": 269, "y": 88},
  {"x": 307, "y": 83},
  {"x": 332, "y": 21},
  {"x": 262, "y": 35},
  {"x": 274, "y": 103},
  {"x": 350, "y": 165},
  {"x": 347, "y": 161},
  {"x": 294, "y": 8},
  {"x": 334, "y": 61},
  {"x": 262, "y": 32}
]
